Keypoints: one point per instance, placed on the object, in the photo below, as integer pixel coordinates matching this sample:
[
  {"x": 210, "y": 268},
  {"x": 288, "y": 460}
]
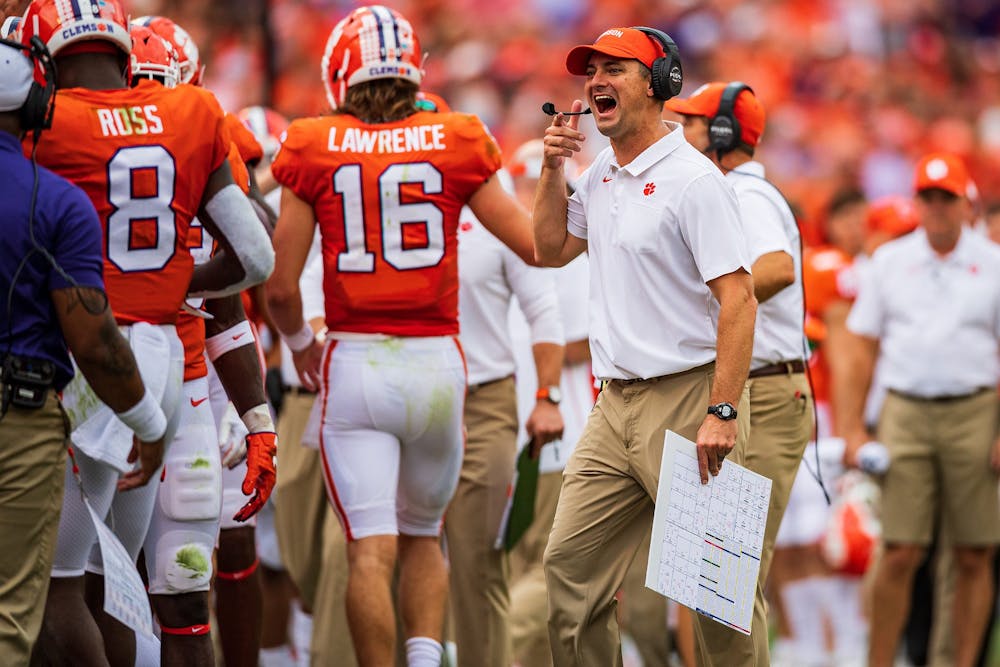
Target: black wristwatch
[{"x": 724, "y": 411}]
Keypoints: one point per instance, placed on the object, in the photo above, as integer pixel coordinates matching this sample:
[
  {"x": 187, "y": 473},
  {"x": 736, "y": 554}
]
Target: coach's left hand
[{"x": 716, "y": 438}]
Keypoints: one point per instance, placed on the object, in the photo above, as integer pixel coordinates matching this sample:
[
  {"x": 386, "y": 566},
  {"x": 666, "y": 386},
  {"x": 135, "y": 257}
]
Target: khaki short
[{"x": 940, "y": 461}]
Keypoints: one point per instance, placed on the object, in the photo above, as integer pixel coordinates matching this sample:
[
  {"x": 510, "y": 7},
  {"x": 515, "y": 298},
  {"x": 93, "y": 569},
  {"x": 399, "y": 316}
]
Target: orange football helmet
[
  {"x": 153, "y": 57},
  {"x": 189, "y": 60},
  {"x": 61, "y": 23},
  {"x": 372, "y": 42}
]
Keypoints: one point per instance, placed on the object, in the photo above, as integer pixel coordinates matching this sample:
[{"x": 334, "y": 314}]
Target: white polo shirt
[
  {"x": 489, "y": 274},
  {"x": 769, "y": 226},
  {"x": 937, "y": 318},
  {"x": 657, "y": 230}
]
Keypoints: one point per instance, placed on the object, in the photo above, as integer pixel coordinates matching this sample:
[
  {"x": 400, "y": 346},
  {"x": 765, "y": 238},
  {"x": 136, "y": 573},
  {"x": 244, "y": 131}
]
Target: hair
[
  {"x": 844, "y": 199},
  {"x": 992, "y": 208},
  {"x": 381, "y": 100}
]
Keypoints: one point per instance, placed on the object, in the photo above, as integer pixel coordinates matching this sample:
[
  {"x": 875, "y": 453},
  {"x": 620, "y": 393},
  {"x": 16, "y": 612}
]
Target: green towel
[{"x": 521, "y": 510}]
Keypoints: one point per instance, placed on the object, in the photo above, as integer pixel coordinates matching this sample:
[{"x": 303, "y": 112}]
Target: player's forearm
[
  {"x": 548, "y": 216},
  {"x": 240, "y": 374},
  {"x": 734, "y": 346},
  {"x": 285, "y": 304}
]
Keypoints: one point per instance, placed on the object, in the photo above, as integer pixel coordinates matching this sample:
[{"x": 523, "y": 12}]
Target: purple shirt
[{"x": 66, "y": 226}]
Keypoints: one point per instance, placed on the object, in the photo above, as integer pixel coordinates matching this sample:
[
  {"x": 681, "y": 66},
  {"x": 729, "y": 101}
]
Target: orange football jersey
[
  {"x": 201, "y": 245},
  {"x": 249, "y": 148},
  {"x": 829, "y": 276},
  {"x": 387, "y": 199},
  {"x": 144, "y": 156}
]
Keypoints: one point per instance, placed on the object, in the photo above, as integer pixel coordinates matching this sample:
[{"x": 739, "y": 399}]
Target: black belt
[
  {"x": 780, "y": 368},
  {"x": 626, "y": 382},
  {"x": 947, "y": 398}
]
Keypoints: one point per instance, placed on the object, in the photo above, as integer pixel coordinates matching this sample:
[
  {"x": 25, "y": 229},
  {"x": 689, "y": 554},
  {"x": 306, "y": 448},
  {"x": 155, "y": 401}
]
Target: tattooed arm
[{"x": 99, "y": 349}]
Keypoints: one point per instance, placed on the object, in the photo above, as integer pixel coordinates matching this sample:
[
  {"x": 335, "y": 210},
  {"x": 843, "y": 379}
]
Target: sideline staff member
[
  {"x": 657, "y": 219},
  {"x": 724, "y": 121},
  {"x": 64, "y": 260},
  {"x": 929, "y": 311}
]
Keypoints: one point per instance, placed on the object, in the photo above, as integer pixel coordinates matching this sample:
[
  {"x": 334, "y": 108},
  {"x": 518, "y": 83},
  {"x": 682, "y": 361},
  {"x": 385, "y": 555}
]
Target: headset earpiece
[
  {"x": 36, "y": 113},
  {"x": 667, "y": 76},
  {"x": 724, "y": 131}
]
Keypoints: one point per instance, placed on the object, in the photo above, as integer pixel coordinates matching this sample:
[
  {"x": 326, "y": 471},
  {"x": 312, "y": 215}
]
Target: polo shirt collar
[
  {"x": 660, "y": 149},
  {"x": 957, "y": 256},
  {"x": 751, "y": 168}
]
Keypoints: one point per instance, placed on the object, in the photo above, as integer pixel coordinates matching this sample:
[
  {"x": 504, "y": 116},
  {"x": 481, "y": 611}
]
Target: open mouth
[{"x": 604, "y": 103}]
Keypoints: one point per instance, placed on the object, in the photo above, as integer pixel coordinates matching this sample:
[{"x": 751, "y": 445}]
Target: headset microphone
[{"x": 550, "y": 109}]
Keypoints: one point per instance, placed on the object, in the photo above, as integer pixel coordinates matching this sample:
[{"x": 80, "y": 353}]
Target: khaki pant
[
  {"x": 32, "y": 463},
  {"x": 479, "y": 573},
  {"x": 529, "y": 600},
  {"x": 644, "y": 616},
  {"x": 781, "y": 424},
  {"x": 939, "y": 462},
  {"x": 606, "y": 506},
  {"x": 312, "y": 542}
]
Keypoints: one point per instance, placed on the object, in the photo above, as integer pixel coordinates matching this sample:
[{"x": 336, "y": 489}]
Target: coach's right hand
[{"x": 562, "y": 139}]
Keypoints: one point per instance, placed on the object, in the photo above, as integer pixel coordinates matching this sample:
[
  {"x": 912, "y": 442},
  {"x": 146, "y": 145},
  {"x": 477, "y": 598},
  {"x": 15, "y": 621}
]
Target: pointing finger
[{"x": 573, "y": 121}]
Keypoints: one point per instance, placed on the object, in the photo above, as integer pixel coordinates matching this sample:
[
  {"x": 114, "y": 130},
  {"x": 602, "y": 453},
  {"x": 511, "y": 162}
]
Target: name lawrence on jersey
[{"x": 394, "y": 140}]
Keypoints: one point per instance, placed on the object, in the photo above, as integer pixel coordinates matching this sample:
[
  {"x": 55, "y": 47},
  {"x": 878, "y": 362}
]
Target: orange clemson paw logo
[{"x": 649, "y": 189}]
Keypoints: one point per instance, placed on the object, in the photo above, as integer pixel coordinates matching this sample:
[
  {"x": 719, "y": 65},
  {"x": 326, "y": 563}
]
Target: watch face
[
  {"x": 725, "y": 411},
  {"x": 555, "y": 394}
]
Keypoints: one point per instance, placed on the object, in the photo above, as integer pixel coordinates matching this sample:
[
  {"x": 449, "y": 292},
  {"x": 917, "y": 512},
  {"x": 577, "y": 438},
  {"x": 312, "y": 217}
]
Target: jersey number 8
[{"x": 142, "y": 229}]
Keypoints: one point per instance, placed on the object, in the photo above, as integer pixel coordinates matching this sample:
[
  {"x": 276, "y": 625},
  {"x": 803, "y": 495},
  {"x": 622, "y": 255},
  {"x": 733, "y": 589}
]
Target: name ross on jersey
[
  {"x": 128, "y": 121},
  {"x": 395, "y": 140}
]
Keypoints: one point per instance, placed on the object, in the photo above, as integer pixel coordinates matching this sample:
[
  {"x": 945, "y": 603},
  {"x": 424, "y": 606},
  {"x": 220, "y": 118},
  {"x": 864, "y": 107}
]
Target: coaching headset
[
  {"x": 667, "y": 75},
  {"x": 724, "y": 131},
  {"x": 36, "y": 113}
]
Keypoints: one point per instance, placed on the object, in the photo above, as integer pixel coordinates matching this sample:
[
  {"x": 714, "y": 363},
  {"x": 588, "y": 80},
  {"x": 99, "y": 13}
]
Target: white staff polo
[
  {"x": 489, "y": 274},
  {"x": 769, "y": 226},
  {"x": 657, "y": 230},
  {"x": 938, "y": 318}
]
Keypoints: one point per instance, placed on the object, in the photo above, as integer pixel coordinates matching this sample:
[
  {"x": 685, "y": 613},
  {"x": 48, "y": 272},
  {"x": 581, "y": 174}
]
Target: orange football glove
[{"x": 261, "y": 449}]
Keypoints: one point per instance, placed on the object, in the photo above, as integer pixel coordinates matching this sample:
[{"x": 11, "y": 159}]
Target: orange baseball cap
[
  {"x": 942, "y": 171},
  {"x": 892, "y": 215},
  {"x": 618, "y": 43},
  {"x": 705, "y": 102}
]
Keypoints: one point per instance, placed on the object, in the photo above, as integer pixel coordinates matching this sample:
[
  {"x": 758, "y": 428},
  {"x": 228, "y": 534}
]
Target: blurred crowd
[{"x": 856, "y": 90}]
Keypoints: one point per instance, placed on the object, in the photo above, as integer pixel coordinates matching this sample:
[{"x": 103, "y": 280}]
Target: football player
[
  {"x": 228, "y": 340},
  {"x": 150, "y": 158},
  {"x": 386, "y": 181}
]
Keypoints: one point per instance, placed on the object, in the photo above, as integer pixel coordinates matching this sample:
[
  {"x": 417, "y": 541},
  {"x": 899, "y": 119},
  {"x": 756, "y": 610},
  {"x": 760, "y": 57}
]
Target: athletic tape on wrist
[
  {"x": 239, "y": 575},
  {"x": 145, "y": 418},
  {"x": 258, "y": 419},
  {"x": 235, "y": 336},
  {"x": 301, "y": 339}
]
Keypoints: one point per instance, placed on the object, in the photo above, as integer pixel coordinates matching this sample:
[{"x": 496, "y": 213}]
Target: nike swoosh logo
[
  {"x": 195, "y": 403},
  {"x": 608, "y": 180},
  {"x": 239, "y": 335}
]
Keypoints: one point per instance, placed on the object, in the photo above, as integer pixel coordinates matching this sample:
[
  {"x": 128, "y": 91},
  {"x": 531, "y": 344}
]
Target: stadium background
[{"x": 856, "y": 90}]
